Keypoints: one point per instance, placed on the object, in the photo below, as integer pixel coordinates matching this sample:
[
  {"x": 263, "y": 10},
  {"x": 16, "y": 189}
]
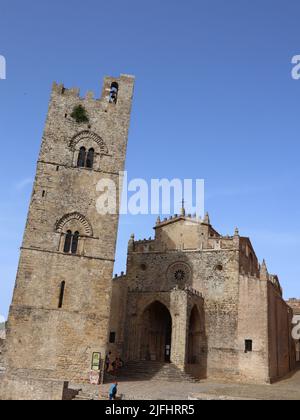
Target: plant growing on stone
[{"x": 79, "y": 114}]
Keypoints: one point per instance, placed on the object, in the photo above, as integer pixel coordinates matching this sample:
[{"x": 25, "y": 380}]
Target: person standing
[{"x": 107, "y": 361}]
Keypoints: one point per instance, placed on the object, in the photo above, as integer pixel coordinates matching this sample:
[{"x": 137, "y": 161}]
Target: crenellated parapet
[
  {"x": 264, "y": 276},
  {"x": 109, "y": 94},
  {"x": 142, "y": 245},
  {"x": 174, "y": 218},
  {"x": 294, "y": 303}
]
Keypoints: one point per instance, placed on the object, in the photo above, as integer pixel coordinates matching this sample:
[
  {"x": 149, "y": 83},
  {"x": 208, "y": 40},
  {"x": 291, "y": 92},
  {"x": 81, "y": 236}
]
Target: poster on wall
[
  {"x": 94, "y": 377},
  {"x": 95, "y": 369},
  {"x": 96, "y": 361}
]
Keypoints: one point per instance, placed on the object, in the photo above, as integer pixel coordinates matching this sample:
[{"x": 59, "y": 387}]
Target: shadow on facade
[{"x": 165, "y": 344}]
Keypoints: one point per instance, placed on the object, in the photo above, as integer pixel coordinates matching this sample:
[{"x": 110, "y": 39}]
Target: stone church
[
  {"x": 202, "y": 301},
  {"x": 191, "y": 298}
]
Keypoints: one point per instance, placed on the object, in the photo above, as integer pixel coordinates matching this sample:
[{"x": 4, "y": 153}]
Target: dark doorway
[
  {"x": 156, "y": 334},
  {"x": 194, "y": 346}
]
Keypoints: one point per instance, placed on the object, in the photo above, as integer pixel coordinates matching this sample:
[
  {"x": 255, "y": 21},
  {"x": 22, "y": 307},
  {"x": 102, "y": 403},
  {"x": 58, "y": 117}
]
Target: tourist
[
  {"x": 107, "y": 361},
  {"x": 116, "y": 365},
  {"x": 113, "y": 390}
]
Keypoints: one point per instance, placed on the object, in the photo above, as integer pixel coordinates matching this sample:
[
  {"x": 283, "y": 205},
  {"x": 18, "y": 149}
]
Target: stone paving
[{"x": 287, "y": 389}]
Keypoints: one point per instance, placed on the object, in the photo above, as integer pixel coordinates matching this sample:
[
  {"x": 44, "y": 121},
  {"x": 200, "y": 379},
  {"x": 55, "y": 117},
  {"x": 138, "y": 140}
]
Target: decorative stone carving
[
  {"x": 179, "y": 274},
  {"x": 91, "y": 136},
  {"x": 75, "y": 216}
]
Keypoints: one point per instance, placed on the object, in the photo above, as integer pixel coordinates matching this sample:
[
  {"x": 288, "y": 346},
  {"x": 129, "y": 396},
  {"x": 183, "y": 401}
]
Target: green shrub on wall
[{"x": 79, "y": 114}]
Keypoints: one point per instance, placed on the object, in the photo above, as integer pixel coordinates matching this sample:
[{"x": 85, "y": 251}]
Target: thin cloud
[
  {"x": 2, "y": 319},
  {"x": 24, "y": 183}
]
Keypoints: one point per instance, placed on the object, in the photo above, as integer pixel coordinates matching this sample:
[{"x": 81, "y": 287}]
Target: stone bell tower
[{"x": 61, "y": 305}]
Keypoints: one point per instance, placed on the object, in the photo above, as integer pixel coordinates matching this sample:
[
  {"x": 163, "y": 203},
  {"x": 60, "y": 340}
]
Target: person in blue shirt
[{"x": 113, "y": 390}]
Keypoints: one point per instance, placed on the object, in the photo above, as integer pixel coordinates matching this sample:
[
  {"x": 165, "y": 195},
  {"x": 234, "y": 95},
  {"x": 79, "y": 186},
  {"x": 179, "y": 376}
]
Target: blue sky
[{"x": 214, "y": 99}]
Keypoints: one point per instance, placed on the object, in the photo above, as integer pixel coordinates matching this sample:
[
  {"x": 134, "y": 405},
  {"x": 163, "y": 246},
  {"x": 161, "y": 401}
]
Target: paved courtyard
[{"x": 287, "y": 389}]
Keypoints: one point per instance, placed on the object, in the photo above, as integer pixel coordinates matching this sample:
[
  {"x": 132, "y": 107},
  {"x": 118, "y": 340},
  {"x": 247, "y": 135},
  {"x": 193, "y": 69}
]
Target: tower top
[{"x": 110, "y": 88}]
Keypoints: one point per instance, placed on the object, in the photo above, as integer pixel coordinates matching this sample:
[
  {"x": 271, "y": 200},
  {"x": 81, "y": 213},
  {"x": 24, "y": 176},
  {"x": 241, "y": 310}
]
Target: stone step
[
  {"x": 86, "y": 392},
  {"x": 153, "y": 371}
]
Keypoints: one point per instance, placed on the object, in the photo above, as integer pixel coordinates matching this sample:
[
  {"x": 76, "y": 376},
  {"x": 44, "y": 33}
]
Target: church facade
[{"x": 203, "y": 302}]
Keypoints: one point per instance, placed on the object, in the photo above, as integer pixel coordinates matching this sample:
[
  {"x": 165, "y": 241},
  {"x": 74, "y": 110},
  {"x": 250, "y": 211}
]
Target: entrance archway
[
  {"x": 156, "y": 333},
  {"x": 194, "y": 344}
]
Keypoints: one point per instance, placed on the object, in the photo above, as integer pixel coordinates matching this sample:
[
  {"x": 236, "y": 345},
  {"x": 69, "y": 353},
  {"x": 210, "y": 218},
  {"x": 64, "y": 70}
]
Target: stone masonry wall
[
  {"x": 26, "y": 389},
  {"x": 281, "y": 345},
  {"x": 253, "y": 325}
]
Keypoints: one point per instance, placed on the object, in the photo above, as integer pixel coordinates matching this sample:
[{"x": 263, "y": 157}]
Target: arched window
[
  {"x": 74, "y": 230},
  {"x": 81, "y": 157},
  {"x": 74, "y": 246},
  {"x": 114, "y": 90},
  {"x": 90, "y": 158},
  {"x": 71, "y": 242},
  {"x": 68, "y": 242}
]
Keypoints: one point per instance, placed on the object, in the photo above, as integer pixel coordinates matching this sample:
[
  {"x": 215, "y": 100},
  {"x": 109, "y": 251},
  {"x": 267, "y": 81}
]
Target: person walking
[{"x": 113, "y": 390}]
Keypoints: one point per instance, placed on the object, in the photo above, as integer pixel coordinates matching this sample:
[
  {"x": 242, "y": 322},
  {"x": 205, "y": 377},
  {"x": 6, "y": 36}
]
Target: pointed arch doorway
[
  {"x": 194, "y": 342},
  {"x": 156, "y": 333}
]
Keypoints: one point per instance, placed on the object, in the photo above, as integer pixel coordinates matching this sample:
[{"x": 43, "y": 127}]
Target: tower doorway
[{"x": 156, "y": 333}]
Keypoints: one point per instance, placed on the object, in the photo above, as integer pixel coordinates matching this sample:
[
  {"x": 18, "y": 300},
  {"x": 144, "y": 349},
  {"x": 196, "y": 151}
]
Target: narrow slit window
[
  {"x": 112, "y": 338},
  {"x": 62, "y": 294}
]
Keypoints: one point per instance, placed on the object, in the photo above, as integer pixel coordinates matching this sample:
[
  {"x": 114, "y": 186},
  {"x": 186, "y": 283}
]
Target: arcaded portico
[{"x": 158, "y": 327}]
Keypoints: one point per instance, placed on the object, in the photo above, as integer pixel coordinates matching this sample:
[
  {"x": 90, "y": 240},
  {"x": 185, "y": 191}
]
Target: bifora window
[
  {"x": 71, "y": 242},
  {"x": 86, "y": 158}
]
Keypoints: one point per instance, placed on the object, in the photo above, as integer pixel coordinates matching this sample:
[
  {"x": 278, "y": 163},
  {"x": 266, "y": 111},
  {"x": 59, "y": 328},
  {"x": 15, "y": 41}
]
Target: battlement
[
  {"x": 295, "y": 305},
  {"x": 144, "y": 241},
  {"x": 110, "y": 85},
  {"x": 272, "y": 279},
  {"x": 121, "y": 276},
  {"x": 189, "y": 218}
]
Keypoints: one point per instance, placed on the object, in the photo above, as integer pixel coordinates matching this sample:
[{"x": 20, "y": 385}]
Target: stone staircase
[
  {"x": 152, "y": 371},
  {"x": 89, "y": 396},
  {"x": 86, "y": 392}
]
